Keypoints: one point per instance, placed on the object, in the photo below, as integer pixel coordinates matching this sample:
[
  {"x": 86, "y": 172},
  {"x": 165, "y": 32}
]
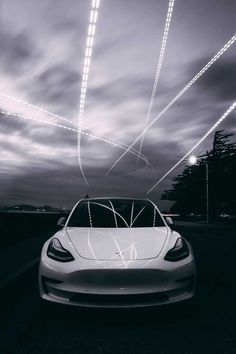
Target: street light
[{"x": 192, "y": 160}]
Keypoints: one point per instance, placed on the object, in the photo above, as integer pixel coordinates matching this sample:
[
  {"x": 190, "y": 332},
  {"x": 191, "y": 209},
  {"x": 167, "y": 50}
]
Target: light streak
[
  {"x": 131, "y": 215},
  {"x": 115, "y": 218},
  {"x": 154, "y": 216},
  {"x": 195, "y": 78},
  {"x": 116, "y": 257},
  {"x": 126, "y": 249},
  {"x": 90, "y": 217},
  {"x": 220, "y": 120},
  {"x": 87, "y": 62},
  {"x": 120, "y": 252},
  {"x": 107, "y": 141},
  {"x": 114, "y": 143},
  {"x": 7, "y": 113},
  {"x": 159, "y": 66},
  {"x": 104, "y": 140},
  {"x": 95, "y": 4},
  {"x": 133, "y": 251},
  {"x": 113, "y": 210},
  {"x": 35, "y": 107},
  {"x": 90, "y": 246},
  {"x": 123, "y": 174},
  {"x": 140, "y": 211}
]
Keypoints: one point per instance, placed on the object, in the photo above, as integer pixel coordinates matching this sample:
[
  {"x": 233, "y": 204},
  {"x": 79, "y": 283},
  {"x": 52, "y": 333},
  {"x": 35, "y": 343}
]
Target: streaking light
[
  {"x": 113, "y": 210},
  {"x": 87, "y": 62},
  {"x": 104, "y": 140},
  {"x": 95, "y": 4},
  {"x": 36, "y": 108},
  {"x": 93, "y": 16},
  {"x": 91, "y": 30},
  {"x": 195, "y": 78},
  {"x": 88, "y": 52},
  {"x": 136, "y": 217},
  {"x": 89, "y": 41},
  {"x": 220, "y": 120},
  {"x": 90, "y": 217},
  {"x": 159, "y": 66},
  {"x": 8, "y": 113}
]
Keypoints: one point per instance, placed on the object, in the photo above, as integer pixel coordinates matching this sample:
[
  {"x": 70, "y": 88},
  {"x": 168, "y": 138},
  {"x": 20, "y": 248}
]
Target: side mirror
[
  {"x": 61, "y": 221},
  {"x": 169, "y": 220}
]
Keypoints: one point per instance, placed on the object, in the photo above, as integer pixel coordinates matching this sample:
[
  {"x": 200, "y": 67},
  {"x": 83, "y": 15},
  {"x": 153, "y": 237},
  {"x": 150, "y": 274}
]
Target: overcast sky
[{"x": 42, "y": 46}]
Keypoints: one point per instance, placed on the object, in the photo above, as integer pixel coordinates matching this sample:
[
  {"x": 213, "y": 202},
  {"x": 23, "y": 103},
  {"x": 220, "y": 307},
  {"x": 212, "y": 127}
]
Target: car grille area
[
  {"x": 119, "y": 300},
  {"x": 116, "y": 288},
  {"x": 118, "y": 281}
]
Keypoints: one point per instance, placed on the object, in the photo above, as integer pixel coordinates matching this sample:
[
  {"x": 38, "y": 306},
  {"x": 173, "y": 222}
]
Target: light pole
[
  {"x": 207, "y": 193},
  {"x": 192, "y": 160}
]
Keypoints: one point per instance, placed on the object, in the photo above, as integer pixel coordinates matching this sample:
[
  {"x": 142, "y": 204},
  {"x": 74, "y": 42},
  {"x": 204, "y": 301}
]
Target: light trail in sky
[
  {"x": 87, "y": 62},
  {"x": 170, "y": 104},
  {"x": 158, "y": 70},
  {"x": 104, "y": 140},
  {"x": 220, "y": 120},
  {"x": 35, "y": 107},
  {"x": 7, "y": 113},
  {"x": 114, "y": 142}
]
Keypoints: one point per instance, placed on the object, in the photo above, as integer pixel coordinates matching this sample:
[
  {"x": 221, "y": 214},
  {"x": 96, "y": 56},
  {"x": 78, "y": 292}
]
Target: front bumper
[
  {"x": 115, "y": 301},
  {"x": 138, "y": 286}
]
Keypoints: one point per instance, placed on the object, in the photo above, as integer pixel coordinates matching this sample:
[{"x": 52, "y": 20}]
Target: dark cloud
[
  {"x": 116, "y": 92},
  {"x": 10, "y": 124},
  {"x": 59, "y": 76},
  {"x": 220, "y": 80},
  {"x": 57, "y": 85},
  {"x": 52, "y": 137},
  {"x": 49, "y": 184},
  {"x": 36, "y": 132},
  {"x": 42, "y": 53},
  {"x": 17, "y": 51}
]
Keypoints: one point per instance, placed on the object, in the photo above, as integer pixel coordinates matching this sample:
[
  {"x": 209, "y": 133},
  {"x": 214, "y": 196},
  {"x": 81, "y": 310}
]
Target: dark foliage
[{"x": 189, "y": 188}]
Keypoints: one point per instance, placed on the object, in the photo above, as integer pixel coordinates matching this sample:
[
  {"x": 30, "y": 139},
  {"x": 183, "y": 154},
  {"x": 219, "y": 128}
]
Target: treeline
[{"x": 189, "y": 190}]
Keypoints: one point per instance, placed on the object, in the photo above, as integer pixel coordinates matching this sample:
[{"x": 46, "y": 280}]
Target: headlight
[
  {"x": 178, "y": 252},
  {"x": 57, "y": 252}
]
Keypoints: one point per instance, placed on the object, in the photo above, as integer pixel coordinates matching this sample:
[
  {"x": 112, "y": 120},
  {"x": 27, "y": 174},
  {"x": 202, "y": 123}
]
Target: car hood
[{"x": 118, "y": 243}]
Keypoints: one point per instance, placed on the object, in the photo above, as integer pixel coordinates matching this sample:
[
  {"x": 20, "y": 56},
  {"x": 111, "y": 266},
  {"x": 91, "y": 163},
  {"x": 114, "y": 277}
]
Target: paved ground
[
  {"x": 211, "y": 328},
  {"x": 17, "y": 257}
]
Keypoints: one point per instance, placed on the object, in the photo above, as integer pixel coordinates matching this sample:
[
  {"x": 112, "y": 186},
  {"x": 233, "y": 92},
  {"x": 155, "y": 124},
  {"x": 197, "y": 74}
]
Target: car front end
[{"x": 119, "y": 281}]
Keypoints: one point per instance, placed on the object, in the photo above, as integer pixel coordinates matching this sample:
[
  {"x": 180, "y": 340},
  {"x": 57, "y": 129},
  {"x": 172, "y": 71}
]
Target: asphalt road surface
[{"x": 208, "y": 327}]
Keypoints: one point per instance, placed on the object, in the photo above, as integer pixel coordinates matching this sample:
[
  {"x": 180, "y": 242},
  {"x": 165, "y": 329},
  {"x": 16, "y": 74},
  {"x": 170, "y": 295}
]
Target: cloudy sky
[{"x": 41, "y": 62}]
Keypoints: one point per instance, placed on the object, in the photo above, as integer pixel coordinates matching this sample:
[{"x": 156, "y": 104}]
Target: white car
[{"x": 116, "y": 252}]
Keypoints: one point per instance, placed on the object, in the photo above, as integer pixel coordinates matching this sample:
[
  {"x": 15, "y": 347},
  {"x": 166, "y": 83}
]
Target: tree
[{"x": 189, "y": 188}]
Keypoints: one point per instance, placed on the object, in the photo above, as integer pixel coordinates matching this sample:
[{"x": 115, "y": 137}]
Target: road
[{"x": 210, "y": 327}]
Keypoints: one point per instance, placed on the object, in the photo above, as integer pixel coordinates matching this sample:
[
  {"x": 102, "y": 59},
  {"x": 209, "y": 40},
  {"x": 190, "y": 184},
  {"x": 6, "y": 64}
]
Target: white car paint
[
  {"x": 129, "y": 243},
  {"x": 116, "y": 267}
]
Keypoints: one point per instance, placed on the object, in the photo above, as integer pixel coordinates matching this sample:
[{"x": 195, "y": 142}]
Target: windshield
[{"x": 115, "y": 213}]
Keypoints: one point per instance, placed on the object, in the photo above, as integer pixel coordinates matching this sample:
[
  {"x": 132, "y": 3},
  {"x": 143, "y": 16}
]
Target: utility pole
[
  {"x": 207, "y": 193},
  {"x": 193, "y": 161}
]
